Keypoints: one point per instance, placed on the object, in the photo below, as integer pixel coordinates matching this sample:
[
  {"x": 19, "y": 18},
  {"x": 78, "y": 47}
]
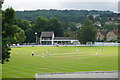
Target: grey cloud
[{"x": 112, "y": 6}]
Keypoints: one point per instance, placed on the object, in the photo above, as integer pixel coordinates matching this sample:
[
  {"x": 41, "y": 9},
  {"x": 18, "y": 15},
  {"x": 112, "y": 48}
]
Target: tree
[
  {"x": 55, "y": 25},
  {"x": 110, "y": 27},
  {"x": 44, "y": 24},
  {"x": 23, "y": 24},
  {"x": 0, "y": 31},
  {"x": 28, "y": 29},
  {"x": 87, "y": 33},
  {"x": 20, "y": 36},
  {"x": 11, "y": 33},
  {"x": 91, "y": 18},
  {"x": 69, "y": 26},
  {"x": 30, "y": 35},
  {"x": 40, "y": 25},
  {"x": 7, "y": 32},
  {"x": 68, "y": 33}
]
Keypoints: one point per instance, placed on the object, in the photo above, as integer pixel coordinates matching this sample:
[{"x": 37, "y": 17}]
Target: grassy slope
[{"x": 23, "y": 65}]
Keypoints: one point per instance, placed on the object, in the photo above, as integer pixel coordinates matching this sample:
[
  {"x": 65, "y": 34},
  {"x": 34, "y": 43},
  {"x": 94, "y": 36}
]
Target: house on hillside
[
  {"x": 112, "y": 35},
  {"x": 109, "y": 22},
  {"x": 98, "y": 24},
  {"x": 104, "y": 35},
  {"x": 48, "y": 38},
  {"x": 101, "y": 35},
  {"x": 96, "y": 15},
  {"x": 78, "y": 25}
]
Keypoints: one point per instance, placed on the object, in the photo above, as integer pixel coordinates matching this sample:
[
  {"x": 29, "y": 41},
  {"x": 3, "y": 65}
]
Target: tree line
[
  {"x": 72, "y": 17},
  {"x": 63, "y": 15}
]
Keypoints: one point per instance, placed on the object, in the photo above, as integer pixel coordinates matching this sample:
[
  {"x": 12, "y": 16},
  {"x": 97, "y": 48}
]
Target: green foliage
[
  {"x": 8, "y": 15},
  {"x": 41, "y": 24},
  {"x": 8, "y": 31},
  {"x": 20, "y": 36},
  {"x": 30, "y": 35},
  {"x": 55, "y": 25},
  {"x": 91, "y": 18},
  {"x": 71, "y": 26},
  {"x": 11, "y": 33},
  {"x": 110, "y": 27},
  {"x": 28, "y": 31},
  {"x": 62, "y": 15},
  {"x": 87, "y": 32},
  {"x": 118, "y": 41},
  {"x": 68, "y": 33},
  {"x": 23, "y": 24},
  {"x": 44, "y": 24}
]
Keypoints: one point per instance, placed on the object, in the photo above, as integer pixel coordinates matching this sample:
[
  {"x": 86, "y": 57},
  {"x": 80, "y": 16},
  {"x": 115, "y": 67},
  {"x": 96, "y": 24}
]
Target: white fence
[
  {"x": 106, "y": 44},
  {"x": 95, "y": 44}
]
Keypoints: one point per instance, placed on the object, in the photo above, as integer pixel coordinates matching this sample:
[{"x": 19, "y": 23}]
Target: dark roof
[
  {"x": 64, "y": 38},
  {"x": 115, "y": 32},
  {"x": 47, "y": 34},
  {"x": 104, "y": 32}
]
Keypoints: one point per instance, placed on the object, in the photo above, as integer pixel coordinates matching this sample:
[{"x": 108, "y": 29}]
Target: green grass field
[{"x": 61, "y": 59}]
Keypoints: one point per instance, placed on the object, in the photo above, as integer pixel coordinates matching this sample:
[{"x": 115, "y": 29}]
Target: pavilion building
[{"x": 48, "y": 38}]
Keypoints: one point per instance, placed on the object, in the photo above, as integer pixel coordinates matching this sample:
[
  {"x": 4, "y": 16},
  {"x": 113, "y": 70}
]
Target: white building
[
  {"x": 98, "y": 24},
  {"x": 48, "y": 38}
]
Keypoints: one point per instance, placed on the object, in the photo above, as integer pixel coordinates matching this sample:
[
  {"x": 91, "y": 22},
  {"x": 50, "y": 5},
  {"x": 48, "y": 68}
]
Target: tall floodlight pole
[{"x": 36, "y": 37}]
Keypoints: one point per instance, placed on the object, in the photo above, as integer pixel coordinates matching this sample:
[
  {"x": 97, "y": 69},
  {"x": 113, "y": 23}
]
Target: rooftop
[
  {"x": 104, "y": 32},
  {"x": 47, "y": 34},
  {"x": 64, "y": 38}
]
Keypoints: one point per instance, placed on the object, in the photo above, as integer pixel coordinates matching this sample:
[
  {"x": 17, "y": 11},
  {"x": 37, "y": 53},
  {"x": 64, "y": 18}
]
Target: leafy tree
[
  {"x": 30, "y": 35},
  {"x": 0, "y": 31},
  {"x": 110, "y": 27},
  {"x": 62, "y": 15},
  {"x": 91, "y": 18},
  {"x": 68, "y": 33},
  {"x": 44, "y": 24},
  {"x": 11, "y": 33},
  {"x": 23, "y": 24},
  {"x": 20, "y": 36},
  {"x": 41, "y": 24},
  {"x": 69, "y": 25},
  {"x": 8, "y": 31},
  {"x": 55, "y": 25},
  {"x": 87, "y": 32}
]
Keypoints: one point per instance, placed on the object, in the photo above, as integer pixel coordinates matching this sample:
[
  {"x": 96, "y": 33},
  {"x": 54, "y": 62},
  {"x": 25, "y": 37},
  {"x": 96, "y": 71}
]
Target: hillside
[{"x": 63, "y": 15}]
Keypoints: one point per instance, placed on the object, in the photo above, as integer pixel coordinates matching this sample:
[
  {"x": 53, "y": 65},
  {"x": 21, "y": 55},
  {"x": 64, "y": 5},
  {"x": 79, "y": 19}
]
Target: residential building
[
  {"x": 98, "y": 24},
  {"x": 109, "y": 22},
  {"x": 78, "y": 25},
  {"x": 104, "y": 35},
  {"x": 96, "y": 15},
  {"x": 112, "y": 35},
  {"x": 101, "y": 35}
]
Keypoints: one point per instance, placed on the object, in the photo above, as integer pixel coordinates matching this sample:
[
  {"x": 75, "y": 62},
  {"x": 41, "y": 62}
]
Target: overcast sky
[{"x": 111, "y": 5}]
